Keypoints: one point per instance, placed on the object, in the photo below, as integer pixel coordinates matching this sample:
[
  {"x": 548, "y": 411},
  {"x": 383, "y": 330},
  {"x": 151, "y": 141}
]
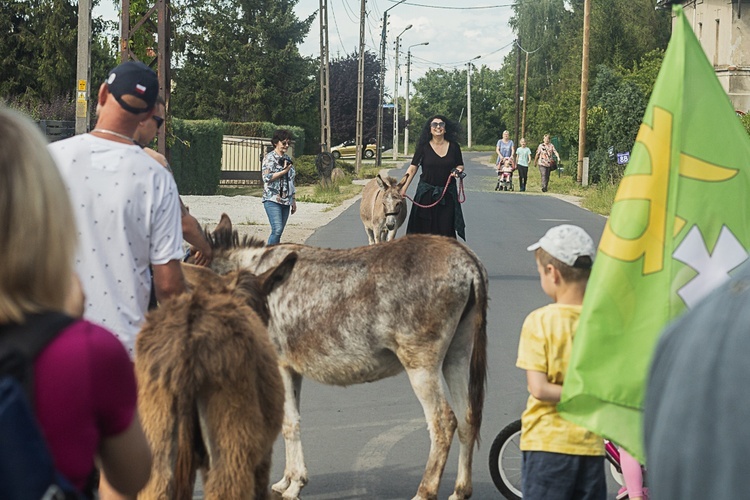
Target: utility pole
[
  {"x": 408, "y": 79},
  {"x": 584, "y": 88},
  {"x": 325, "y": 96},
  {"x": 518, "y": 89},
  {"x": 83, "y": 66},
  {"x": 468, "y": 100},
  {"x": 525, "y": 81},
  {"x": 395, "y": 97},
  {"x": 360, "y": 85},
  {"x": 381, "y": 83},
  {"x": 163, "y": 52}
]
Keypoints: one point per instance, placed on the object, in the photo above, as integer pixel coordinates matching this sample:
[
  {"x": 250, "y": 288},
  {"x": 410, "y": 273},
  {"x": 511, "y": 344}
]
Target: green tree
[
  {"x": 343, "y": 90},
  {"x": 438, "y": 92},
  {"x": 626, "y": 37},
  {"x": 238, "y": 60},
  {"x": 35, "y": 52}
]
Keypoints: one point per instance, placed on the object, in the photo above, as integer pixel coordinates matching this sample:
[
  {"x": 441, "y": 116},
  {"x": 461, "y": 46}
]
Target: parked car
[{"x": 349, "y": 148}]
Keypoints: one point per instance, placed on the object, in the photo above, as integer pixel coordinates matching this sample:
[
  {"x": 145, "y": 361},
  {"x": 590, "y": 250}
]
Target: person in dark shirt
[{"x": 439, "y": 155}]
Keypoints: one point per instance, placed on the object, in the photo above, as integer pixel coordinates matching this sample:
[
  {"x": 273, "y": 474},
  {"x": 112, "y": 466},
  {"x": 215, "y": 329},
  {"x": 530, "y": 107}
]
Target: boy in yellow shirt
[{"x": 560, "y": 459}]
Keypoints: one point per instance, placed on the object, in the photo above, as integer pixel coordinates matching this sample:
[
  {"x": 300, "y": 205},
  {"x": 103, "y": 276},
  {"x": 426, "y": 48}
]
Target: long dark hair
[{"x": 451, "y": 132}]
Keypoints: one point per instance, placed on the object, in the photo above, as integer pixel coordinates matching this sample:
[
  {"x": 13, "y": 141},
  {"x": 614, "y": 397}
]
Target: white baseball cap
[{"x": 566, "y": 243}]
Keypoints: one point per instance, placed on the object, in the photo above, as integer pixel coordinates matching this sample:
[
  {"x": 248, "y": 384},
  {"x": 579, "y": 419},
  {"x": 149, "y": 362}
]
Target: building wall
[{"x": 723, "y": 28}]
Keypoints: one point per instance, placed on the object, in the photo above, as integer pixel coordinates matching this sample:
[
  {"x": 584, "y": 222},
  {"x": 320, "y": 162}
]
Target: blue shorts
[{"x": 557, "y": 476}]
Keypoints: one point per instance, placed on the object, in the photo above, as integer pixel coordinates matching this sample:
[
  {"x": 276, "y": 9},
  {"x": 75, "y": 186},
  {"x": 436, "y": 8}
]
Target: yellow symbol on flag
[{"x": 653, "y": 189}]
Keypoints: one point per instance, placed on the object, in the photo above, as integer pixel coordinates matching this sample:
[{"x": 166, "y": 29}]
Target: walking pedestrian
[
  {"x": 544, "y": 158},
  {"x": 439, "y": 155},
  {"x": 523, "y": 157},
  {"x": 505, "y": 148}
]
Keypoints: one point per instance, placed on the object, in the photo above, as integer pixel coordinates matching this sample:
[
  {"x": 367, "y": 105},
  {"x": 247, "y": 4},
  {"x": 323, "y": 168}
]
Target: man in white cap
[{"x": 560, "y": 459}]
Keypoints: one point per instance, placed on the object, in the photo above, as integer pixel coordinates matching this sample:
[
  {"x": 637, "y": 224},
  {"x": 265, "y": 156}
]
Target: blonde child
[
  {"x": 523, "y": 157},
  {"x": 560, "y": 459},
  {"x": 505, "y": 170}
]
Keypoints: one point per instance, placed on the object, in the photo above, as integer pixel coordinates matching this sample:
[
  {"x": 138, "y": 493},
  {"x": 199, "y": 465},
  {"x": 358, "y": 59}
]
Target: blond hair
[
  {"x": 568, "y": 273},
  {"x": 37, "y": 232}
]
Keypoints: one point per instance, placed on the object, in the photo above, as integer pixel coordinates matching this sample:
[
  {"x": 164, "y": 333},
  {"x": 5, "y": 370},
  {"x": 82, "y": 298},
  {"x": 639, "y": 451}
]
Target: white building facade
[{"x": 723, "y": 28}]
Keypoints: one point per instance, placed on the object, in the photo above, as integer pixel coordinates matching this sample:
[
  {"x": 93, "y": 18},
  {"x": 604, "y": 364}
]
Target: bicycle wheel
[{"x": 505, "y": 461}]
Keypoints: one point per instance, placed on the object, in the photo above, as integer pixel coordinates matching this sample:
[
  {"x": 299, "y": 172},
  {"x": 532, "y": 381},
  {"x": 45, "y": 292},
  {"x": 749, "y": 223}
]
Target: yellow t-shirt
[{"x": 545, "y": 345}]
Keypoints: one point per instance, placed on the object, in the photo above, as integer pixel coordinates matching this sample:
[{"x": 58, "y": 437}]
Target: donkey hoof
[
  {"x": 292, "y": 493},
  {"x": 282, "y": 485}
]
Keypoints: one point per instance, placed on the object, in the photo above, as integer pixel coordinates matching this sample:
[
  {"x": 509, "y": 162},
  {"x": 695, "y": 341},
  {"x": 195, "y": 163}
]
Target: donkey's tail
[
  {"x": 478, "y": 365},
  {"x": 186, "y": 461}
]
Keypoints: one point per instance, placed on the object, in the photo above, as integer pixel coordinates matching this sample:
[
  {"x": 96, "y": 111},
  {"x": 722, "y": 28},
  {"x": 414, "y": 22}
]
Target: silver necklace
[{"x": 116, "y": 134}]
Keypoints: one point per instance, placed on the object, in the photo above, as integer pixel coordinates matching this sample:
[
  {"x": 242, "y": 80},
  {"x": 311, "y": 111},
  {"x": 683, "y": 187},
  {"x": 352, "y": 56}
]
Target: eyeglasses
[
  {"x": 286, "y": 143},
  {"x": 159, "y": 121},
  {"x": 437, "y": 124}
]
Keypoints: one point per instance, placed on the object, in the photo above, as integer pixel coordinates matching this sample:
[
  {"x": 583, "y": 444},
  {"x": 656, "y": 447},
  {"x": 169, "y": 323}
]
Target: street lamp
[
  {"x": 381, "y": 81},
  {"x": 395, "y": 97},
  {"x": 406, "y": 117},
  {"x": 468, "y": 100}
]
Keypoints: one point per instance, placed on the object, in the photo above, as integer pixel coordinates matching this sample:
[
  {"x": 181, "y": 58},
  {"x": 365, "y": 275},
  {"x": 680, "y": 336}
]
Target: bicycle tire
[{"x": 505, "y": 461}]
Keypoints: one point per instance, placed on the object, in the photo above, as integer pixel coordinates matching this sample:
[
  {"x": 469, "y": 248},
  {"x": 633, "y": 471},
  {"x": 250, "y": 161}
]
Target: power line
[
  {"x": 348, "y": 11},
  {"x": 338, "y": 32},
  {"x": 456, "y": 64},
  {"x": 456, "y": 8},
  {"x": 528, "y": 51}
]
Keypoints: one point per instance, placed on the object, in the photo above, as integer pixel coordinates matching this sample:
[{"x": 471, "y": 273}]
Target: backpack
[{"x": 27, "y": 470}]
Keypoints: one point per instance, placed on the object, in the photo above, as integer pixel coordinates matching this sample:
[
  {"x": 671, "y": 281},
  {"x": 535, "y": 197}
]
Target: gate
[{"x": 242, "y": 158}]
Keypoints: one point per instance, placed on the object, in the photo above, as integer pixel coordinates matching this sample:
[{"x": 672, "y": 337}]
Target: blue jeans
[
  {"x": 557, "y": 476},
  {"x": 277, "y": 216}
]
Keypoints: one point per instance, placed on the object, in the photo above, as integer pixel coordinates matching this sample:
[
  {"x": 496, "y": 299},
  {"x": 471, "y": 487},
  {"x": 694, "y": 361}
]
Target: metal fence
[
  {"x": 56, "y": 130},
  {"x": 241, "y": 159}
]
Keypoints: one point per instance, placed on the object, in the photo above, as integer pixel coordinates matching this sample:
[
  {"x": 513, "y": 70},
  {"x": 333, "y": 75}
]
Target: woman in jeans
[{"x": 278, "y": 185}]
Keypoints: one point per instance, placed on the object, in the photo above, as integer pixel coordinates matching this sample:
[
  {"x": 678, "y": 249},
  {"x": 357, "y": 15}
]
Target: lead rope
[{"x": 461, "y": 194}]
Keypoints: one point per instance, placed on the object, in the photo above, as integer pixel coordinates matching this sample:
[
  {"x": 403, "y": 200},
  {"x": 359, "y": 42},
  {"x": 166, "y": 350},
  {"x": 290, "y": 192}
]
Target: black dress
[{"x": 446, "y": 217}]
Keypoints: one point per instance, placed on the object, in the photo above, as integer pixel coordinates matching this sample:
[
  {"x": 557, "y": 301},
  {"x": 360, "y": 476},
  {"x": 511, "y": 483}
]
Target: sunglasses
[
  {"x": 286, "y": 143},
  {"x": 437, "y": 124},
  {"x": 159, "y": 121}
]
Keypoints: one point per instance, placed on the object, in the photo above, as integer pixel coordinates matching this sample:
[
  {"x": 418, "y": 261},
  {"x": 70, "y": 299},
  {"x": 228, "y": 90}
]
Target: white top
[{"x": 128, "y": 216}]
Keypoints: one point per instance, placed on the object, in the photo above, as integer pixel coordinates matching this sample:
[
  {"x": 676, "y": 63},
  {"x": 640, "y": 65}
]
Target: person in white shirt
[{"x": 126, "y": 205}]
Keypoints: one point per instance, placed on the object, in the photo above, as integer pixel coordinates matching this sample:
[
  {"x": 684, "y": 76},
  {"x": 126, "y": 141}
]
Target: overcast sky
[{"x": 457, "y": 31}]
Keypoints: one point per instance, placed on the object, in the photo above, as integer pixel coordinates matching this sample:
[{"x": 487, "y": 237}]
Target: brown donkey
[
  {"x": 209, "y": 390},
  {"x": 418, "y": 303},
  {"x": 382, "y": 208}
]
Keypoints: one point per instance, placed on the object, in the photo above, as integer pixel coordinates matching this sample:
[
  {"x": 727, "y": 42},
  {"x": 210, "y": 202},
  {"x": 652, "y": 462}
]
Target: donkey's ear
[
  {"x": 381, "y": 182},
  {"x": 225, "y": 224},
  {"x": 402, "y": 181},
  {"x": 277, "y": 275}
]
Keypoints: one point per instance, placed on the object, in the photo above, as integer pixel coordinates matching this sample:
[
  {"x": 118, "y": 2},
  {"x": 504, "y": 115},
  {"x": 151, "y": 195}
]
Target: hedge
[
  {"x": 196, "y": 155},
  {"x": 266, "y": 130}
]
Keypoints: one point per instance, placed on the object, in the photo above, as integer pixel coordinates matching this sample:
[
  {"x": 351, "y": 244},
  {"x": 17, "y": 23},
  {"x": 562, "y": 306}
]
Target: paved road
[{"x": 370, "y": 441}]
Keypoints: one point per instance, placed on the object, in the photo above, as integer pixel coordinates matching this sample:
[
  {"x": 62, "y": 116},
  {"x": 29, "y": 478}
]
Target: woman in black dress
[{"x": 438, "y": 153}]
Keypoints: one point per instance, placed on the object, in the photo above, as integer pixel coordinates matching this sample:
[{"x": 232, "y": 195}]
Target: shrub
[
  {"x": 265, "y": 130},
  {"x": 60, "y": 107},
  {"x": 196, "y": 155},
  {"x": 307, "y": 172}
]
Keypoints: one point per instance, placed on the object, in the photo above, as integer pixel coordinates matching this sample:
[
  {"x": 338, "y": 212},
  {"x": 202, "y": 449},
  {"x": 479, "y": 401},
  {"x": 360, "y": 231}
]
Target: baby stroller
[{"x": 505, "y": 170}]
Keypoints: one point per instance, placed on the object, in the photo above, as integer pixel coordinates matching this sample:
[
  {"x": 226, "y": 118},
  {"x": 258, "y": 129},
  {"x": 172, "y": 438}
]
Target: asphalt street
[{"x": 371, "y": 441}]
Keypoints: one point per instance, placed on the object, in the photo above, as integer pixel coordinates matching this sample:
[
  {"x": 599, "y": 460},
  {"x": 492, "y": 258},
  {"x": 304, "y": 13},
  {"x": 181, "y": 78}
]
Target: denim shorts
[{"x": 557, "y": 476}]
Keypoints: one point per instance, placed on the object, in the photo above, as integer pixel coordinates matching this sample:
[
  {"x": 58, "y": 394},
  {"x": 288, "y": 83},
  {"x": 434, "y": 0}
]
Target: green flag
[{"x": 679, "y": 225}]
